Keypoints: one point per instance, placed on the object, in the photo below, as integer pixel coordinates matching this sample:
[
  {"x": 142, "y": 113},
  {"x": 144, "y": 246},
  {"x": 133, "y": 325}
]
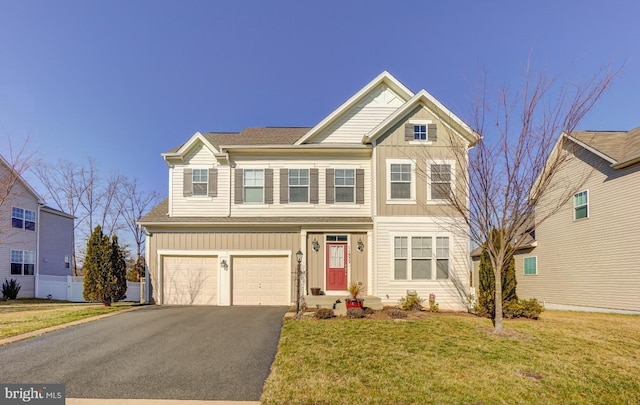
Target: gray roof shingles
[
  {"x": 255, "y": 136},
  {"x": 621, "y": 146}
]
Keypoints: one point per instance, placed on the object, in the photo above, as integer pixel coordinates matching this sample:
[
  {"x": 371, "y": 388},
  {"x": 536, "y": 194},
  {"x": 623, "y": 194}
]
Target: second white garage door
[
  {"x": 260, "y": 280},
  {"x": 190, "y": 280}
]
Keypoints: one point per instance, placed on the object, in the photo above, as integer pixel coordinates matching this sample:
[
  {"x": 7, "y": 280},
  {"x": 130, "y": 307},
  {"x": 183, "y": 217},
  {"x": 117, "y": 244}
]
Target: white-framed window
[
  {"x": 23, "y": 219},
  {"x": 299, "y": 185},
  {"x": 253, "y": 183},
  {"x": 581, "y": 205},
  {"x": 401, "y": 186},
  {"x": 23, "y": 262},
  {"x": 420, "y": 132},
  {"x": 416, "y": 257},
  {"x": 345, "y": 185},
  {"x": 440, "y": 180},
  {"x": 530, "y": 266},
  {"x": 200, "y": 180}
]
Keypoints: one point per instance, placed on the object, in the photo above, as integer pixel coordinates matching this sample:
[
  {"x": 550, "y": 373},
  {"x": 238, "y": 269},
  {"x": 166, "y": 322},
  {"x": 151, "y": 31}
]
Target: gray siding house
[
  {"x": 587, "y": 255},
  {"x": 34, "y": 239}
]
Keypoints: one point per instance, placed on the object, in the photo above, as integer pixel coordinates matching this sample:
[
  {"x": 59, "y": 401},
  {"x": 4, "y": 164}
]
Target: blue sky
[{"x": 123, "y": 81}]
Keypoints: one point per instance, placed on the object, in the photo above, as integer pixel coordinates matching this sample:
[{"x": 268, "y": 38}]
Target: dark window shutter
[
  {"x": 408, "y": 132},
  {"x": 284, "y": 186},
  {"x": 213, "y": 182},
  {"x": 268, "y": 186},
  {"x": 330, "y": 196},
  {"x": 238, "y": 186},
  {"x": 359, "y": 186},
  {"x": 187, "y": 188},
  {"x": 313, "y": 186},
  {"x": 432, "y": 134}
]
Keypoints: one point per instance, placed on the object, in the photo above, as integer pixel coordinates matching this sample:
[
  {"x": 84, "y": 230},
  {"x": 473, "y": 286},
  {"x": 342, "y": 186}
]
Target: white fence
[{"x": 68, "y": 288}]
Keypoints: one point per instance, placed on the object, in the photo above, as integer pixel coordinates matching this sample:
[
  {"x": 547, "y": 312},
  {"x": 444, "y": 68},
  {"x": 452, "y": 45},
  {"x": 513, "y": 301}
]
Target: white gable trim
[
  {"x": 384, "y": 77},
  {"x": 195, "y": 138},
  {"x": 422, "y": 97}
]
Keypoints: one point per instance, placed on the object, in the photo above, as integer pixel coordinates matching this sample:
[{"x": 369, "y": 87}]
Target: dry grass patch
[
  {"x": 22, "y": 316},
  {"x": 562, "y": 358}
]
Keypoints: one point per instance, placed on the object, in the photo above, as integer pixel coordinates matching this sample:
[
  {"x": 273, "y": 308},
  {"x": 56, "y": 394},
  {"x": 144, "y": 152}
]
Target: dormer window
[
  {"x": 200, "y": 180},
  {"x": 421, "y": 131}
]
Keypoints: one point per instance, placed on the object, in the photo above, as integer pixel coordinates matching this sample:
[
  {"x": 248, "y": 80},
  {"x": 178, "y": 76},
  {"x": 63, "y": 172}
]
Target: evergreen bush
[{"x": 10, "y": 289}]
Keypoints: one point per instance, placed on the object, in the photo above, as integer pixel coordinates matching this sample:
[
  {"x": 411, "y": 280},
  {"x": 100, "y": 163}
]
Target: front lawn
[
  {"x": 563, "y": 358},
  {"x": 22, "y": 316}
]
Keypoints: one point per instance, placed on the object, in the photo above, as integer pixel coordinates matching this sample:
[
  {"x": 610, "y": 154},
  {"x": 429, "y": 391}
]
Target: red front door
[{"x": 336, "y": 266}]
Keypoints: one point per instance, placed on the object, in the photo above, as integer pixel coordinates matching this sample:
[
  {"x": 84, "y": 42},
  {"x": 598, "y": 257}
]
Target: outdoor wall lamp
[
  {"x": 360, "y": 245},
  {"x": 224, "y": 264},
  {"x": 315, "y": 245},
  {"x": 299, "y": 256}
]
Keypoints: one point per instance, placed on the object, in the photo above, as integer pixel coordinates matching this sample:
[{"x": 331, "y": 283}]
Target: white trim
[
  {"x": 524, "y": 265},
  {"x": 587, "y": 204},
  {"x": 450, "y": 162},
  {"x": 244, "y": 173},
  {"x": 355, "y": 181},
  {"x": 434, "y": 255},
  {"x": 412, "y": 192},
  {"x": 197, "y": 136},
  {"x": 383, "y": 78}
]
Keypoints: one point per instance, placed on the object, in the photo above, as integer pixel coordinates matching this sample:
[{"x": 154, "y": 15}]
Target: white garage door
[
  {"x": 260, "y": 280},
  {"x": 190, "y": 280}
]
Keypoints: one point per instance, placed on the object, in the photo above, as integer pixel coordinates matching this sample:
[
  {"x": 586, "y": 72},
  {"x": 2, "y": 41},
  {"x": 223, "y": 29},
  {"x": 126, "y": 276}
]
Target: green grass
[
  {"x": 22, "y": 316},
  {"x": 563, "y": 358}
]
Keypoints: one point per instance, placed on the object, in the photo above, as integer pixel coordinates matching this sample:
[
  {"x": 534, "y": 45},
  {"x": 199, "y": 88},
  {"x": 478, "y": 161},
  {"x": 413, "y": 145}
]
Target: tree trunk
[{"x": 497, "y": 317}]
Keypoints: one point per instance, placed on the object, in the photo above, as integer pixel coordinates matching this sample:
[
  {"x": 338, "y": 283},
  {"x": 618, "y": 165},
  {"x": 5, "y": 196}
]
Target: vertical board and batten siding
[
  {"x": 199, "y": 206},
  {"x": 448, "y": 293},
  {"x": 19, "y": 239},
  {"x": 592, "y": 262},
  {"x": 393, "y": 145},
  {"x": 354, "y": 123},
  {"x": 316, "y": 266},
  {"x": 279, "y": 164},
  {"x": 220, "y": 242}
]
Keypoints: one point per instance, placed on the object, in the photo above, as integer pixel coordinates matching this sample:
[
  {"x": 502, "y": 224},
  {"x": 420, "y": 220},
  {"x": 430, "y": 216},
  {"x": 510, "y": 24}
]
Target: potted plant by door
[{"x": 354, "y": 300}]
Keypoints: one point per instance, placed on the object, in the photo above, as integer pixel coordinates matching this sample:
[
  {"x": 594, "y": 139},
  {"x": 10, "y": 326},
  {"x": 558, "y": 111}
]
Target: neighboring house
[
  {"x": 34, "y": 239},
  {"x": 587, "y": 255},
  {"x": 346, "y": 193}
]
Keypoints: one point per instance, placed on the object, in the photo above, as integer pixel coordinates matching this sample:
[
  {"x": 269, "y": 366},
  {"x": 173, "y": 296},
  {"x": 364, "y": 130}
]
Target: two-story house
[
  {"x": 34, "y": 239},
  {"x": 347, "y": 193},
  {"x": 586, "y": 256}
]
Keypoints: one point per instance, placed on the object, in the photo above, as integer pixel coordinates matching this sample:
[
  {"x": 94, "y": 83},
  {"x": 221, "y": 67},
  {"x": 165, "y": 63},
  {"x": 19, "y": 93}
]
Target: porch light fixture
[
  {"x": 224, "y": 264},
  {"x": 299, "y": 256},
  {"x": 360, "y": 245},
  {"x": 315, "y": 245}
]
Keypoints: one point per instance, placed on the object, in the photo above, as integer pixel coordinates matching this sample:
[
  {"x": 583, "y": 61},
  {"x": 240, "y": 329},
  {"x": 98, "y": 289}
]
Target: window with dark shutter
[
  {"x": 330, "y": 173},
  {"x": 284, "y": 186},
  {"x": 187, "y": 178},
  {"x": 213, "y": 182},
  {"x": 313, "y": 186}
]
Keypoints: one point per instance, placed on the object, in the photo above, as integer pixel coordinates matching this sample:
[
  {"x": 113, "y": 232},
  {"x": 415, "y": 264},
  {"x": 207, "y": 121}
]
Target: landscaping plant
[
  {"x": 10, "y": 289},
  {"x": 104, "y": 269}
]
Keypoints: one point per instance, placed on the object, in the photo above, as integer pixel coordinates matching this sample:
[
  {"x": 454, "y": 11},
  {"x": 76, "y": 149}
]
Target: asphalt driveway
[{"x": 204, "y": 353}]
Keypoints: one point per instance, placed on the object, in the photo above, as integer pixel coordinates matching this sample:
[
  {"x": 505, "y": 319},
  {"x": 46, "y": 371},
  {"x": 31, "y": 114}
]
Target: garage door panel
[
  {"x": 190, "y": 281},
  {"x": 260, "y": 280}
]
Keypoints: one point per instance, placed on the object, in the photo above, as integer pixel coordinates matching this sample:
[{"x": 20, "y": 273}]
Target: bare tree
[
  {"x": 512, "y": 180},
  {"x": 136, "y": 203}
]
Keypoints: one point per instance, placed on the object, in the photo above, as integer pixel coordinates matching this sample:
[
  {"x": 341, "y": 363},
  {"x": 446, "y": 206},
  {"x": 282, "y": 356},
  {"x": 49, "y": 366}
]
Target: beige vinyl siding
[
  {"x": 19, "y": 239},
  {"x": 591, "y": 262},
  {"x": 394, "y": 146},
  {"x": 354, "y": 123},
  {"x": 315, "y": 262},
  {"x": 220, "y": 242},
  {"x": 358, "y": 261},
  {"x": 247, "y": 161},
  {"x": 200, "y": 158},
  {"x": 448, "y": 292}
]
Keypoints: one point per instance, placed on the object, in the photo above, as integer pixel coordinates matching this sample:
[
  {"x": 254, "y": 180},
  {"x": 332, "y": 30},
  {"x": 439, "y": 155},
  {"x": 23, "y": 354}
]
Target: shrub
[
  {"x": 324, "y": 313},
  {"x": 434, "y": 307},
  {"x": 10, "y": 289},
  {"x": 411, "y": 303},
  {"x": 355, "y": 313},
  {"x": 523, "y": 309},
  {"x": 397, "y": 314}
]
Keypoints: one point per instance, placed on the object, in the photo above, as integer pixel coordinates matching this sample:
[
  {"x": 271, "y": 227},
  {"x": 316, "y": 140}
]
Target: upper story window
[
  {"x": 22, "y": 262},
  {"x": 440, "y": 180},
  {"x": 299, "y": 185},
  {"x": 253, "y": 185},
  {"x": 401, "y": 186},
  {"x": 421, "y": 130},
  {"x": 531, "y": 266},
  {"x": 200, "y": 181},
  {"x": 345, "y": 185},
  {"x": 23, "y": 219},
  {"x": 581, "y": 205},
  {"x": 415, "y": 258}
]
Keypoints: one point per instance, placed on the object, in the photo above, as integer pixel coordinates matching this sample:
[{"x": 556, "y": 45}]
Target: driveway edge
[
  {"x": 39, "y": 332},
  {"x": 94, "y": 401}
]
